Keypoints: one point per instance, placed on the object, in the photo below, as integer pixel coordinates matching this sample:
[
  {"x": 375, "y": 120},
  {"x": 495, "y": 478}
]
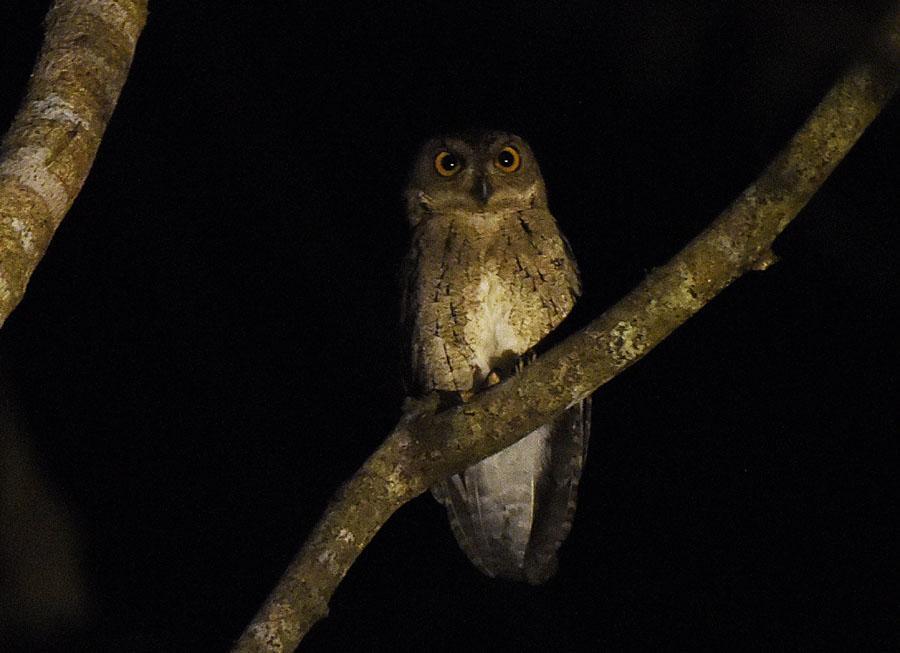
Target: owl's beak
[{"x": 482, "y": 190}]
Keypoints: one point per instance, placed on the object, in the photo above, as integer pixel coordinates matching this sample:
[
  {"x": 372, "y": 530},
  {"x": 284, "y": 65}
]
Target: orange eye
[
  {"x": 508, "y": 160},
  {"x": 447, "y": 163}
]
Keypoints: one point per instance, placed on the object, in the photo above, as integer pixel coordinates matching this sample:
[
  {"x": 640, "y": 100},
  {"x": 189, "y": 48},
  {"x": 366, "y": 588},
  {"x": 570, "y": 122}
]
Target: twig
[{"x": 48, "y": 151}]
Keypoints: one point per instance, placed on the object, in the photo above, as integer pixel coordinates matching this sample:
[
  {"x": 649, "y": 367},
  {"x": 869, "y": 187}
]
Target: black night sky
[{"x": 210, "y": 346}]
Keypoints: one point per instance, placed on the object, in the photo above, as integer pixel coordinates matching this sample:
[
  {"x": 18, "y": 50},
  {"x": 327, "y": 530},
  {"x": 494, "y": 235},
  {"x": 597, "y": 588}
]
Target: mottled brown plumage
[{"x": 487, "y": 276}]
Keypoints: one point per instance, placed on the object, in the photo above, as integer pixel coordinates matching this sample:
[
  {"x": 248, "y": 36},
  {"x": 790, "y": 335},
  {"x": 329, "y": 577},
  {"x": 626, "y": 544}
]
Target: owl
[{"x": 487, "y": 275}]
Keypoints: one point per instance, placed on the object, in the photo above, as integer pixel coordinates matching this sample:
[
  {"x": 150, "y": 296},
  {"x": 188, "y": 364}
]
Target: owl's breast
[
  {"x": 477, "y": 301},
  {"x": 466, "y": 326},
  {"x": 496, "y": 328}
]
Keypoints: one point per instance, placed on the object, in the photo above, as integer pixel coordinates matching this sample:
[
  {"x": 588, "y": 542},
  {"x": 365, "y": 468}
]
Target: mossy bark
[
  {"x": 425, "y": 448},
  {"x": 50, "y": 146}
]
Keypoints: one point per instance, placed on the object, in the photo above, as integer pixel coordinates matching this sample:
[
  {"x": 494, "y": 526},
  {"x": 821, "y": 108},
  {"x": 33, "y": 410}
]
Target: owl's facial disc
[{"x": 483, "y": 175}]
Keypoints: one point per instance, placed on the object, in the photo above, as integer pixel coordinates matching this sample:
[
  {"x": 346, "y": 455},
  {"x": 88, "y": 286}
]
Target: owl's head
[{"x": 484, "y": 172}]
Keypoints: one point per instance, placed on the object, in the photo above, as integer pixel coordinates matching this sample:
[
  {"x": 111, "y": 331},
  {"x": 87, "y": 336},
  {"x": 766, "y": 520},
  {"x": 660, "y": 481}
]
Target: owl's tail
[{"x": 512, "y": 511}]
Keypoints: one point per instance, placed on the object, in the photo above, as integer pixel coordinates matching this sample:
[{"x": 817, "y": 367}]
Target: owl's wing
[
  {"x": 452, "y": 494},
  {"x": 559, "y": 492},
  {"x": 489, "y": 531}
]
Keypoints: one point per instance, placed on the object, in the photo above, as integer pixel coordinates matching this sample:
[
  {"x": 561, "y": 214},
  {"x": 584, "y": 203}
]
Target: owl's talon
[{"x": 525, "y": 359}]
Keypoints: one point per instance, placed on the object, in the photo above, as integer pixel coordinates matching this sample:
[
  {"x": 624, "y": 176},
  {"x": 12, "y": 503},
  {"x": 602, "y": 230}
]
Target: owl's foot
[
  {"x": 497, "y": 374},
  {"x": 525, "y": 359},
  {"x": 493, "y": 378}
]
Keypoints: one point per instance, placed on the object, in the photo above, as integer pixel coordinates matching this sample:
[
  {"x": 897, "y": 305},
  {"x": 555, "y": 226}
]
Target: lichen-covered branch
[
  {"x": 48, "y": 151},
  {"x": 425, "y": 448}
]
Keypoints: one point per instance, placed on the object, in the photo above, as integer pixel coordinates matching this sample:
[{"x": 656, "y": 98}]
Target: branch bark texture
[
  {"x": 425, "y": 448},
  {"x": 49, "y": 149}
]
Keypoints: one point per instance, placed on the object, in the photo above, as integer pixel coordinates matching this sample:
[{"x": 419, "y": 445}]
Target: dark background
[{"x": 208, "y": 349}]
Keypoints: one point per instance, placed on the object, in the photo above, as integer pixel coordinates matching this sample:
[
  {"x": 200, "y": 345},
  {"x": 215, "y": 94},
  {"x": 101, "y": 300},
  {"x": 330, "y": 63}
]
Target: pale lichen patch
[
  {"x": 346, "y": 536},
  {"x": 396, "y": 485},
  {"x": 53, "y": 107},
  {"x": 267, "y": 636},
  {"x": 328, "y": 559},
  {"x": 626, "y": 343},
  {"x": 28, "y": 167},
  {"x": 726, "y": 244},
  {"x": 281, "y": 618},
  {"x": 26, "y": 237}
]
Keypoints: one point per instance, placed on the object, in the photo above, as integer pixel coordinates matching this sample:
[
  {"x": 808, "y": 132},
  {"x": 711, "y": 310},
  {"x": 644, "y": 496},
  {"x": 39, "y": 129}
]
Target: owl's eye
[
  {"x": 508, "y": 160},
  {"x": 447, "y": 163}
]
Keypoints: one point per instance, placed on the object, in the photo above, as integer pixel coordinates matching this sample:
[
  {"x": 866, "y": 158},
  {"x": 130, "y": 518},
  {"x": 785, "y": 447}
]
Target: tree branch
[
  {"x": 425, "y": 448},
  {"x": 48, "y": 151}
]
